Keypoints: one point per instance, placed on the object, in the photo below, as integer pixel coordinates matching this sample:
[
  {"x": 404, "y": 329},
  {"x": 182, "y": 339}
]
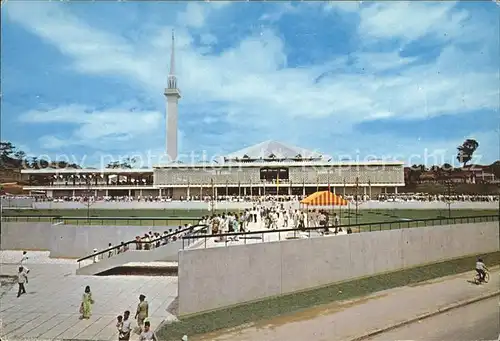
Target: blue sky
[{"x": 395, "y": 80}]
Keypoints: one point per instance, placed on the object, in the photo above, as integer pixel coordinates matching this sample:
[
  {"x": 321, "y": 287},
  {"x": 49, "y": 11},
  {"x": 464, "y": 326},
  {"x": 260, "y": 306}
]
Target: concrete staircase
[{"x": 165, "y": 253}]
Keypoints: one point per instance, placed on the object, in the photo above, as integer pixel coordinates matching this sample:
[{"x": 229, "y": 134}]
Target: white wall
[
  {"x": 25, "y": 235},
  {"x": 68, "y": 241},
  {"x": 219, "y": 277}
]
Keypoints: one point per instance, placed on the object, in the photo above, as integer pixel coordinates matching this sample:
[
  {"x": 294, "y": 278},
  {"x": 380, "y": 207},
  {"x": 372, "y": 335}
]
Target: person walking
[
  {"x": 125, "y": 328},
  {"x": 23, "y": 262},
  {"x": 22, "y": 279},
  {"x": 86, "y": 305},
  {"x": 147, "y": 334},
  {"x": 142, "y": 312}
]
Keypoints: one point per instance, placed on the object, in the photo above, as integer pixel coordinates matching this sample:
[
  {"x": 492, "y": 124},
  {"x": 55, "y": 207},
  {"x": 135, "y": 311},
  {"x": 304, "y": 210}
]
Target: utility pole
[
  {"x": 88, "y": 195},
  {"x": 449, "y": 184},
  {"x": 348, "y": 207},
  {"x": 212, "y": 198},
  {"x": 356, "y": 198}
]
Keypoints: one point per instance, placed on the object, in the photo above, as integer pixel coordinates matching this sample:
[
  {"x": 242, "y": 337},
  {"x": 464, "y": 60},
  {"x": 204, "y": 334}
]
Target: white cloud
[
  {"x": 253, "y": 85},
  {"x": 208, "y": 39},
  {"x": 52, "y": 142},
  {"x": 346, "y": 6},
  {"x": 194, "y": 15},
  {"x": 92, "y": 127},
  {"x": 282, "y": 8},
  {"x": 411, "y": 20}
]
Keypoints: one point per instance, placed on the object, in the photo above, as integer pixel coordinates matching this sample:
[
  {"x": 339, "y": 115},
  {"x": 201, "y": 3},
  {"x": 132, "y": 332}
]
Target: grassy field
[
  {"x": 403, "y": 218},
  {"x": 125, "y": 217},
  {"x": 181, "y": 217},
  {"x": 157, "y": 213},
  {"x": 288, "y": 304}
]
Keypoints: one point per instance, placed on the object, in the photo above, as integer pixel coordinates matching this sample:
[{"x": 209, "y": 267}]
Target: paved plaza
[{"x": 49, "y": 311}]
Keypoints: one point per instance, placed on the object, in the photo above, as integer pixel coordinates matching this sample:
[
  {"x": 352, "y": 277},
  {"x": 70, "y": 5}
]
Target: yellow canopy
[{"x": 324, "y": 198}]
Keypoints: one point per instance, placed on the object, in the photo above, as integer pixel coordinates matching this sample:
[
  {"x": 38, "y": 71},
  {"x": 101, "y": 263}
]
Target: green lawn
[
  {"x": 289, "y": 304},
  {"x": 181, "y": 217},
  {"x": 110, "y": 212},
  {"x": 404, "y": 217},
  {"x": 129, "y": 217}
]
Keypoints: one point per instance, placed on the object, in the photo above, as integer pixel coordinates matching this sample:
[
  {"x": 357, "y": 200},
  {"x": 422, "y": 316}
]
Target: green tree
[
  {"x": 447, "y": 167},
  {"x": 127, "y": 163},
  {"x": 20, "y": 159},
  {"x": 6, "y": 149},
  {"x": 466, "y": 150}
]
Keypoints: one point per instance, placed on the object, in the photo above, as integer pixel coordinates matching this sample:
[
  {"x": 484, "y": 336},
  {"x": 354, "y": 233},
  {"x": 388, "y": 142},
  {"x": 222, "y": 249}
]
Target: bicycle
[{"x": 477, "y": 278}]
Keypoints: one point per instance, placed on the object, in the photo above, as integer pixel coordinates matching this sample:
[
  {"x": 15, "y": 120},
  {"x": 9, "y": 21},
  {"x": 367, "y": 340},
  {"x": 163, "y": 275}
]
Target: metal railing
[
  {"x": 29, "y": 218},
  {"x": 133, "y": 221},
  {"x": 126, "y": 246},
  {"x": 352, "y": 228}
]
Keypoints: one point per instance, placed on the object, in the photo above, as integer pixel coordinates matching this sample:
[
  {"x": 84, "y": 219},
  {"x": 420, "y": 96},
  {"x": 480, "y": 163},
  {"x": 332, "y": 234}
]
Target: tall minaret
[{"x": 172, "y": 94}]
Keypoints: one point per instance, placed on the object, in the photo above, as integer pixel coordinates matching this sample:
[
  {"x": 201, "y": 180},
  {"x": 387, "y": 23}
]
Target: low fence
[
  {"x": 14, "y": 202},
  {"x": 29, "y": 218},
  {"x": 282, "y": 234},
  {"x": 111, "y": 221},
  {"x": 136, "y": 221}
]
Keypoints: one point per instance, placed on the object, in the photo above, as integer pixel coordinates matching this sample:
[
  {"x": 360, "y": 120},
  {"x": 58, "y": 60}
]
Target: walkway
[
  {"x": 50, "y": 309},
  {"x": 478, "y": 321},
  {"x": 347, "y": 320},
  {"x": 265, "y": 237}
]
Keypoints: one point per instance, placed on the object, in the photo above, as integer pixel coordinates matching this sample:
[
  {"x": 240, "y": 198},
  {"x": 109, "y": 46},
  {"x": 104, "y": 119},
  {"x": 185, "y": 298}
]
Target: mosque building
[{"x": 267, "y": 168}]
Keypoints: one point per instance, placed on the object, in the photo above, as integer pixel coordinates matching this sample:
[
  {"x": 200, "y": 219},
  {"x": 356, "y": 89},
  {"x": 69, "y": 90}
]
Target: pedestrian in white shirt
[
  {"x": 23, "y": 262},
  {"x": 125, "y": 327},
  {"x": 22, "y": 279}
]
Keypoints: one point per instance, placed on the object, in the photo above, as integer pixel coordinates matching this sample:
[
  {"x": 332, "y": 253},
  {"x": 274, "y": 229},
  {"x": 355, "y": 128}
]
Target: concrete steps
[{"x": 166, "y": 253}]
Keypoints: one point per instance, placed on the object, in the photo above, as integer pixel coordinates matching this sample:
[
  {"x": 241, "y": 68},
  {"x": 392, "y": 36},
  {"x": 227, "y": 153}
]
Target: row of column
[
  {"x": 366, "y": 190},
  {"x": 241, "y": 191}
]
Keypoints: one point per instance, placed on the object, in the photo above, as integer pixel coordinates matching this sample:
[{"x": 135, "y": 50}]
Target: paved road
[
  {"x": 479, "y": 321},
  {"x": 346, "y": 320}
]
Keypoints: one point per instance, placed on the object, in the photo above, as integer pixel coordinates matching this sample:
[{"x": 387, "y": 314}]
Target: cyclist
[{"x": 481, "y": 269}]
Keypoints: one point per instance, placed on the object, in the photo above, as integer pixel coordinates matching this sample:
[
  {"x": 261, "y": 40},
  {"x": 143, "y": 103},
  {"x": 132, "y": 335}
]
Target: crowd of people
[
  {"x": 424, "y": 197},
  {"x": 270, "y": 216},
  {"x": 393, "y": 197},
  {"x": 123, "y": 322},
  {"x": 151, "y": 198},
  {"x": 148, "y": 241}
]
